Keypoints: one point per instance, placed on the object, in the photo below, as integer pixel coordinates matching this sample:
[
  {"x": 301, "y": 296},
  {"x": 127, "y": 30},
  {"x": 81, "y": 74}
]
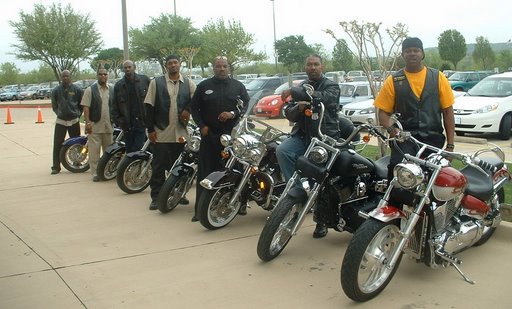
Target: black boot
[{"x": 320, "y": 230}]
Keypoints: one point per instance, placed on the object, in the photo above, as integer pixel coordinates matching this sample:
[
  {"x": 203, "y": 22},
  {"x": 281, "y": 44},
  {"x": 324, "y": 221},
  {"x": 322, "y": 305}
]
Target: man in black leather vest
[
  {"x": 424, "y": 99},
  {"x": 294, "y": 146},
  {"x": 167, "y": 106},
  {"x": 97, "y": 102}
]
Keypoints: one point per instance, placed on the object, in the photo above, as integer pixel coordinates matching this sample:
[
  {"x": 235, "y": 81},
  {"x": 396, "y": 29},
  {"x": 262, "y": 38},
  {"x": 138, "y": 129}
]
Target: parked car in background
[
  {"x": 10, "y": 94},
  {"x": 448, "y": 73},
  {"x": 351, "y": 74},
  {"x": 486, "y": 108},
  {"x": 463, "y": 81},
  {"x": 354, "y": 91},
  {"x": 263, "y": 86},
  {"x": 196, "y": 78},
  {"x": 30, "y": 93},
  {"x": 44, "y": 93},
  {"x": 336, "y": 76},
  {"x": 272, "y": 106}
]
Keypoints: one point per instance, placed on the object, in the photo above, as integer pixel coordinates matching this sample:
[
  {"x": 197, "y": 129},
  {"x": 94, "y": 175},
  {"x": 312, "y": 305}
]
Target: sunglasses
[{"x": 103, "y": 74}]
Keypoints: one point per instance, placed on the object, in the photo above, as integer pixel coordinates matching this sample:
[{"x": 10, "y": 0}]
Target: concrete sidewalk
[{"x": 67, "y": 242}]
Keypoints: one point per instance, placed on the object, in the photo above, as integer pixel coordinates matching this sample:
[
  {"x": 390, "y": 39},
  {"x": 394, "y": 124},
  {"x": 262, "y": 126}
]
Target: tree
[
  {"x": 163, "y": 36},
  {"x": 483, "y": 54},
  {"x": 504, "y": 60},
  {"x": 230, "y": 40},
  {"x": 452, "y": 46},
  {"x": 9, "y": 73},
  {"x": 342, "y": 57},
  {"x": 188, "y": 55},
  {"x": 57, "y": 36},
  {"x": 111, "y": 58},
  {"x": 292, "y": 52}
]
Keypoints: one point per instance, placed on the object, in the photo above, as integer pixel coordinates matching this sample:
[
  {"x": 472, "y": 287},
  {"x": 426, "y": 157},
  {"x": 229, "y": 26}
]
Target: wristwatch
[
  {"x": 390, "y": 129},
  {"x": 232, "y": 113}
]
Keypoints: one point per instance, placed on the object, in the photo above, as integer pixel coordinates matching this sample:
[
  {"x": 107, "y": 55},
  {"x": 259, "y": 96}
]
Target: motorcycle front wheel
[
  {"x": 277, "y": 232},
  {"x": 75, "y": 158},
  {"x": 173, "y": 189},
  {"x": 214, "y": 209},
  {"x": 108, "y": 163},
  {"x": 364, "y": 271},
  {"x": 129, "y": 178}
]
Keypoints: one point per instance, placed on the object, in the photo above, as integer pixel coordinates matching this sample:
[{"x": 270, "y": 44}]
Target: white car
[
  {"x": 486, "y": 108},
  {"x": 359, "y": 112},
  {"x": 354, "y": 91}
]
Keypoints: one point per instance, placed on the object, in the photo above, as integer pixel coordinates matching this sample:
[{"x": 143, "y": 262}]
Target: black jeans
[
  {"x": 164, "y": 155},
  {"x": 59, "y": 136},
  {"x": 134, "y": 139}
]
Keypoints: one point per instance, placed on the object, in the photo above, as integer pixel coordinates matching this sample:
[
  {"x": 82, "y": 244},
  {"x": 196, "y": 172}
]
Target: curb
[{"x": 470, "y": 140}]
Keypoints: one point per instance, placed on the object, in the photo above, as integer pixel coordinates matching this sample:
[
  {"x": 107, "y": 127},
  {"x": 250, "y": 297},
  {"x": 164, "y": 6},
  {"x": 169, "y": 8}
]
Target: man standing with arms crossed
[
  {"x": 167, "y": 106},
  {"x": 96, "y": 102}
]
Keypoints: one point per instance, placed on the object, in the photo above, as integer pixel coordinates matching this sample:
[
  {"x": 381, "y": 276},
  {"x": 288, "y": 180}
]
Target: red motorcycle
[{"x": 431, "y": 211}]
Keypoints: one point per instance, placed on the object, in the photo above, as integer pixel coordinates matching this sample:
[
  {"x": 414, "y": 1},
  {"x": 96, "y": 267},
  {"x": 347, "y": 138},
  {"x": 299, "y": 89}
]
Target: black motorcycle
[
  {"x": 109, "y": 160},
  {"x": 182, "y": 174},
  {"x": 341, "y": 185}
]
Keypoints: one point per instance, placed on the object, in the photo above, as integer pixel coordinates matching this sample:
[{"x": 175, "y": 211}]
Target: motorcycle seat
[{"x": 480, "y": 185}]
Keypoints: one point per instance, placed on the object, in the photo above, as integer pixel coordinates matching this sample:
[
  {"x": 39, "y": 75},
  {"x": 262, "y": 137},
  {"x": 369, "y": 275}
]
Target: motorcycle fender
[
  {"x": 75, "y": 140},
  {"x": 298, "y": 194},
  {"x": 114, "y": 148},
  {"x": 181, "y": 170},
  {"x": 140, "y": 154},
  {"x": 224, "y": 178},
  {"x": 387, "y": 213}
]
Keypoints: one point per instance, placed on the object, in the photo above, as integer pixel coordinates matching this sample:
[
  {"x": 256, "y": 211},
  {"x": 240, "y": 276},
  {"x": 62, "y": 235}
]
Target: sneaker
[
  {"x": 153, "y": 206},
  {"x": 194, "y": 219},
  {"x": 95, "y": 178},
  {"x": 184, "y": 201},
  {"x": 55, "y": 171},
  {"x": 320, "y": 231}
]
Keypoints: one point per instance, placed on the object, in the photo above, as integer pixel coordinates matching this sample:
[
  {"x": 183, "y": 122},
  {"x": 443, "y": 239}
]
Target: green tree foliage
[
  {"x": 227, "y": 39},
  {"x": 452, "y": 46},
  {"x": 504, "y": 60},
  {"x": 55, "y": 35},
  {"x": 483, "y": 55},
  {"x": 433, "y": 60},
  {"x": 342, "y": 57},
  {"x": 112, "y": 60},
  {"x": 163, "y": 36},
  {"x": 292, "y": 51},
  {"x": 9, "y": 73}
]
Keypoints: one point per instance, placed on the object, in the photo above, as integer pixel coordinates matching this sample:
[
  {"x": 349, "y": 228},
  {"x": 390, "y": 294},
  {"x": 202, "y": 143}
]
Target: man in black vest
[
  {"x": 96, "y": 102},
  {"x": 167, "y": 106},
  {"x": 424, "y": 99}
]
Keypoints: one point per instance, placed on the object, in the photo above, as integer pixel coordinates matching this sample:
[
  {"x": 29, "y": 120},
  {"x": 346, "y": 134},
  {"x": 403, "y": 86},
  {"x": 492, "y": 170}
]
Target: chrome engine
[{"x": 459, "y": 236}]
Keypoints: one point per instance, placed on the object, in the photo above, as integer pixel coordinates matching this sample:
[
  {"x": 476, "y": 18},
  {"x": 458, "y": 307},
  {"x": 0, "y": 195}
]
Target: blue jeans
[
  {"x": 134, "y": 139},
  {"x": 288, "y": 152}
]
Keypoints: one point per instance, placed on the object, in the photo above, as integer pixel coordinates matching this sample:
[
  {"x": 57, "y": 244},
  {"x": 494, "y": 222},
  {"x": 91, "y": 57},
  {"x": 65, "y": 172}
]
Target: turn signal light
[
  {"x": 224, "y": 154},
  {"x": 182, "y": 140},
  {"x": 262, "y": 185},
  {"x": 366, "y": 138},
  {"x": 308, "y": 112}
]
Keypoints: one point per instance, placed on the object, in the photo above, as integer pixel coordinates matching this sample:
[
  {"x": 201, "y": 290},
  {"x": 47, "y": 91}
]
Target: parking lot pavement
[{"x": 67, "y": 242}]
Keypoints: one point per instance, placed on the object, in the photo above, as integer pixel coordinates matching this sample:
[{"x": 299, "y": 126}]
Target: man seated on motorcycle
[{"x": 294, "y": 146}]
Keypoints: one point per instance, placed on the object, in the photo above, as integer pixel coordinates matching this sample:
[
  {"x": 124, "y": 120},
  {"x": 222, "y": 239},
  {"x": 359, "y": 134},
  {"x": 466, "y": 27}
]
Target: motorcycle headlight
[
  {"x": 225, "y": 140},
  {"x": 408, "y": 175},
  {"x": 254, "y": 154},
  {"x": 244, "y": 143},
  {"x": 318, "y": 155},
  {"x": 194, "y": 143}
]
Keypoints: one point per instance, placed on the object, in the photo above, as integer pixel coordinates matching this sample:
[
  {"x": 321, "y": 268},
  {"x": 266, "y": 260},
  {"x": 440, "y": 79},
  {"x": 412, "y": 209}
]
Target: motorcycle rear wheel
[
  {"x": 214, "y": 210},
  {"x": 173, "y": 189},
  {"x": 75, "y": 158},
  {"x": 128, "y": 175},
  {"x": 108, "y": 163},
  {"x": 363, "y": 272},
  {"x": 489, "y": 231},
  {"x": 277, "y": 231}
]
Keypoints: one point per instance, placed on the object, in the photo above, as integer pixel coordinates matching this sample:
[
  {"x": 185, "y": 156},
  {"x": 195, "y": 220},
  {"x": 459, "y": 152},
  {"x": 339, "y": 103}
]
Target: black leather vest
[
  {"x": 421, "y": 116},
  {"x": 163, "y": 101},
  {"x": 96, "y": 103}
]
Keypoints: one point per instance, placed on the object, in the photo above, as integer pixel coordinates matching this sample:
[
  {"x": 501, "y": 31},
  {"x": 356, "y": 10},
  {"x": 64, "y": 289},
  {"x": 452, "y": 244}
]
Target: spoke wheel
[
  {"x": 277, "y": 232},
  {"x": 75, "y": 158},
  {"x": 107, "y": 166},
  {"x": 214, "y": 209},
  {"x": 172, "y": 191},
  {"x": 129, "y": 177}
]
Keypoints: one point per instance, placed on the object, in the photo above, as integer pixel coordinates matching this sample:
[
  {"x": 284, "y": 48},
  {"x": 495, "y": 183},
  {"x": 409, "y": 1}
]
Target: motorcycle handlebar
[{"x": 485, "y": 165}]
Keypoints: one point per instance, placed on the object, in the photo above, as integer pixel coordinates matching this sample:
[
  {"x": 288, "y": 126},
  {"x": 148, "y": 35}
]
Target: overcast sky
[{"x": 425, "y": 19}]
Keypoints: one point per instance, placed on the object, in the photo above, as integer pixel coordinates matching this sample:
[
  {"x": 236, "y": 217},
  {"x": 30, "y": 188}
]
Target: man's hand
[
  {"x": 285, "y": 94},
  {"x": 204, "y": 131},
  {"x": 88, "y": 127},
  {"x": 225, "y": 116},
  {"x": 184, "y": 117},
  {"x": 152, "y": 137}
]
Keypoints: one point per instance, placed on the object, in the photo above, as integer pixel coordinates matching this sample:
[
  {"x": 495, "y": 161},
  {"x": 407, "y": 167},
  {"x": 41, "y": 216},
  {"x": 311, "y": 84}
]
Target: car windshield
[
  {"x": 458, "y": 76},
  {"x": 33, "y": 88},
  {"x": 286, "y": 86},
  {"x": 492, "y": 87},
  {"x": 347, "y": 90},
  {"x": 255, "y": 84}
]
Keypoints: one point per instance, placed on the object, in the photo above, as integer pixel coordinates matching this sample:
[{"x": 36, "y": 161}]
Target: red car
[{"x": 272, "y": 106}]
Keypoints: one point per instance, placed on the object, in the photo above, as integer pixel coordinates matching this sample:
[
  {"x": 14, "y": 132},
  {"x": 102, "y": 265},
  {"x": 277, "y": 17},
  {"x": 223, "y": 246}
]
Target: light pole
[
  {"x": 126, "y": 54},
  {"x": 174, "y": 7},
  {"x": 274, "y": 22}
]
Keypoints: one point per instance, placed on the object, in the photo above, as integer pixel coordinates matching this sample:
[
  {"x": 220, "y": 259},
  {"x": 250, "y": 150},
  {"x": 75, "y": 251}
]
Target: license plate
[{"x": 457, "y": 120}]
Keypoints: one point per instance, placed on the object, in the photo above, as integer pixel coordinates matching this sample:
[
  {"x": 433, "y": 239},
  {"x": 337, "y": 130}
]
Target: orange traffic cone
[
  {"x": 9, "y": 118},
  {"x": 39, "y": 115}
]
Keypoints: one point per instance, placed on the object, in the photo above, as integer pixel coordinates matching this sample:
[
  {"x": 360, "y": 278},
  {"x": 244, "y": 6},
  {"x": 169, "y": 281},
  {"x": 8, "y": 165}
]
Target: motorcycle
[
  {"x": 109, "y": 160},
  {"x": 182, "y": 174},
  {"x": 332, "y": 177},
  {"x": 74, "y": 153},
  {"x": 134, "y": 171},
  {"x": 431, "y": 212},
  {"x": 251, "y": 172}
]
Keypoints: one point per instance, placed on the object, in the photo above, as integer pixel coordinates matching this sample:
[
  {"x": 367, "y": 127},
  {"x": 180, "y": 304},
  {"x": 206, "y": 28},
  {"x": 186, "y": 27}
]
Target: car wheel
[
  {"x": 459, "y": 133},
  {"x": 458, "y": 89},
  {"x": 281, "y": 111},
  {"x": 505, "y": 127}
]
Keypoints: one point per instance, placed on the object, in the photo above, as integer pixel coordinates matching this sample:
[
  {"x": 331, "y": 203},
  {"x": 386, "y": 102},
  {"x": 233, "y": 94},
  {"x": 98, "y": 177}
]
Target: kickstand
[{"x": 462, "y": 274}]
